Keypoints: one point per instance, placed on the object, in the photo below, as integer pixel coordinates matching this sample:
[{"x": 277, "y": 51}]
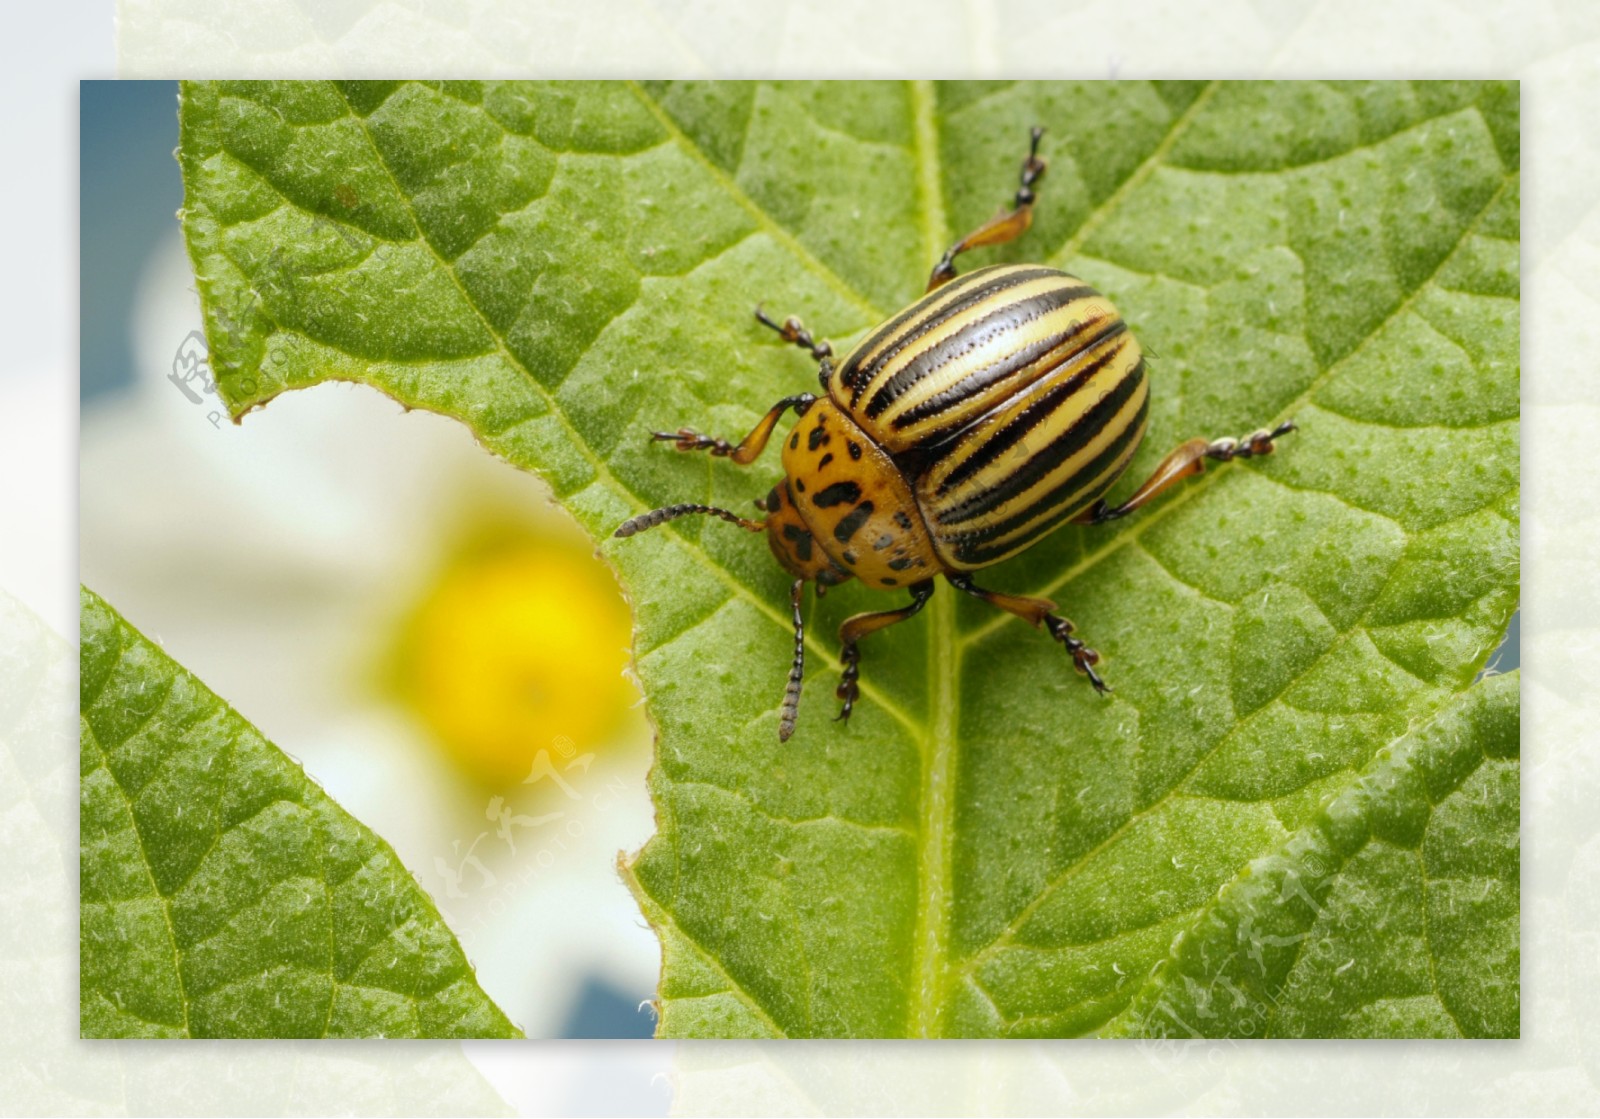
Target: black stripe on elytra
[
  {"x": 1066, "y": 499},
  {"x": 837, "y": 493},
  {"x": 852, "y": 521},
  {"x": 1042, "y": 461},
  {"x": 979, "y": 285},
  {"x": 1025, "y": 421},
  {"x": 982, "y": 380},
  {"x": 1004, "y": 318},
  {"x": 851, "y": 372}
]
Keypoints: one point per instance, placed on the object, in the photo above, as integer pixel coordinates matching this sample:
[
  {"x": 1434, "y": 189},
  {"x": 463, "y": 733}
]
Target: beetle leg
[
  {"x": 686, "y": 439},
  {"x": 1037, "y": 612},
  {"x": 793, "y": 330},
  {"x": 854, "y": 629},
  {"x": 797, "y": 670},
  {"x": 1188, "y": 459},
  {"x": 1004, "y": 226}
]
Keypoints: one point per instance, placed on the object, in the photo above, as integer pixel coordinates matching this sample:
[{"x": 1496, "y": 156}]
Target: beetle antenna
[
  {"x": 673, "y": 512},
  {"x": 797, "y": 671}
]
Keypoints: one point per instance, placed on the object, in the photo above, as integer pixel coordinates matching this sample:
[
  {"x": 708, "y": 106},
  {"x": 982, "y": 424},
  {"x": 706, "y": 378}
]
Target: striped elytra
[
  {"x": 1010, "y": 398},
  {"x": 998, "y": 407}
]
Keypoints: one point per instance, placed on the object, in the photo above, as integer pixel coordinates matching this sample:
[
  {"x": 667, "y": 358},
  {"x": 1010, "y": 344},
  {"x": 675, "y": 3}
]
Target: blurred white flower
[{"x": 361, "y": 583}]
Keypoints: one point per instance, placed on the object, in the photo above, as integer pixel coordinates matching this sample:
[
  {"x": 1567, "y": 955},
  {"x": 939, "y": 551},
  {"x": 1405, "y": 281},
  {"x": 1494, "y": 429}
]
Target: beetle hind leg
[
  {"x": 1004, "y": 226},
  {"x": 854, "y": 629},
  {"x": 1040, "y": 612},
  {"x": 1187, "y": 460}
]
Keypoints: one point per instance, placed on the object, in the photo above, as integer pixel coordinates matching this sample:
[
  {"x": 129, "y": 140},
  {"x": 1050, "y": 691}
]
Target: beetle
[{"x": 999, "y": 406}]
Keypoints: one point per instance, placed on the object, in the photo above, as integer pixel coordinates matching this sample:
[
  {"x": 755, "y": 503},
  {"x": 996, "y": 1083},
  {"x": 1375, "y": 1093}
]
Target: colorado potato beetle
[{"x": 1001, "y": 405}]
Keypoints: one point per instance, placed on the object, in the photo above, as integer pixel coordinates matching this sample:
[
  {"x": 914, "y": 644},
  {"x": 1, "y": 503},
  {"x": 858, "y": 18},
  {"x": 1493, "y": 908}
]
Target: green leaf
[
  {"x": 222, "y": 893},
  {"x": 988, "y": 848}
]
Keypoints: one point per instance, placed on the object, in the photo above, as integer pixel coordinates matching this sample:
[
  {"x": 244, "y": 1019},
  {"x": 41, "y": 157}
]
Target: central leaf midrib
[
  {"x": 938, "y": 753},
  {"x": 946, "y": 646}
]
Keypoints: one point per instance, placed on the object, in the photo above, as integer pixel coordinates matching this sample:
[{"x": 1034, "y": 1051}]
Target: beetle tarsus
[
  {"x": 848, "y": 690},
  {"x": 686, "y": 439},
  {"x": 793, "y": 331},
  {"x": 1256, "y": 443},
  {"x": 1083, "y": 658}
]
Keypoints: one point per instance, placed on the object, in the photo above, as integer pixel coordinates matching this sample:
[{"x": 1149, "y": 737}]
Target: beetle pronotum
[{"x": 1001, "y": 405}]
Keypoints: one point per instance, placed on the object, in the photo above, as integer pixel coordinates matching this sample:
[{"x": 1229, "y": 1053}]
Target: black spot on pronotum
[
  {"x": 849, "y": 556},
  {"x": 801, "y": 540},
  {"x": 889, "y": 581},
  {"x": 817, "y": 437},
  {"x": 902, "y": 520},
  {"x": 824, "y": 460},
  {"x": 800, "y": 484},
  {"x": 852, "y": 522},
  {"x": 794, "y": 441},
  {"x": 839, "y": 493},
  {"x": 854, "y": 448},
  {"x": 901, "y": 563}
]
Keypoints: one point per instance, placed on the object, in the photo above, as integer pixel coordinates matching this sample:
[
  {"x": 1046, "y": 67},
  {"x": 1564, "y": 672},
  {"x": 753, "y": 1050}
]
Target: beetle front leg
[
  {"x": 1039, "y": 612},
  {"x": 854, "y": 629},
  {"x": 686, "y": 439},
  {"x": 1004, "y": 226},
  {"x": 794, "y": 331},
  {"x": 1187, "y": 460}
]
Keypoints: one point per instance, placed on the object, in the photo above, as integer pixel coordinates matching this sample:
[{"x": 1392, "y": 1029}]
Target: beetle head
[{"x": 792, "y": 544}]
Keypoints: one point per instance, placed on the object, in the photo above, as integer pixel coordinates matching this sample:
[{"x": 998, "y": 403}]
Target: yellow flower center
[{"x": 515, "y": 647}]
